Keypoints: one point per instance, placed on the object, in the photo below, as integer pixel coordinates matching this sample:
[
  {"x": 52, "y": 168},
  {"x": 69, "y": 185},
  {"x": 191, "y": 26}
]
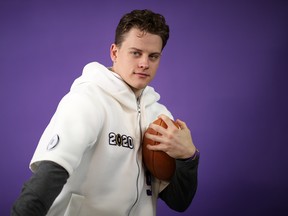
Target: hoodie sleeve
[
  {"x": 40, "y": 191},
  {"x": 70, "y": 132},
  {"x": 180, "y": 192}
]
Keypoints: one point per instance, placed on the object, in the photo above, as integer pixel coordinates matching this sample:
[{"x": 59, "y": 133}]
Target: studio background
[{"x": 223, "y": 71}]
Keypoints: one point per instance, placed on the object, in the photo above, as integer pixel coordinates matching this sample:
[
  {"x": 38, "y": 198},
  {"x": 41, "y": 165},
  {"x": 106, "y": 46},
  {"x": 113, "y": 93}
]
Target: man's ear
[{"x": 113, "y": 52}]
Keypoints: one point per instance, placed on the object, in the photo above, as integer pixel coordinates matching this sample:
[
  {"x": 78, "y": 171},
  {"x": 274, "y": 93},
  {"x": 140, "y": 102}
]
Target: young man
[{"x": 89, "y": 158}]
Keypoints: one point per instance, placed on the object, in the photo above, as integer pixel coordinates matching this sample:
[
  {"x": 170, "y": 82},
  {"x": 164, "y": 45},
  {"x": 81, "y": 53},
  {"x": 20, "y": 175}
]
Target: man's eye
[
  {"x": 154, "y": 57},
  {"x": 136, "y": 53}
]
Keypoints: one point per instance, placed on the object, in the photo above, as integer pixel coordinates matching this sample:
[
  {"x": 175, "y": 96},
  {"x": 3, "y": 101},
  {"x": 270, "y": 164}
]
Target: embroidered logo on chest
[{"x": 121, "y": 140}]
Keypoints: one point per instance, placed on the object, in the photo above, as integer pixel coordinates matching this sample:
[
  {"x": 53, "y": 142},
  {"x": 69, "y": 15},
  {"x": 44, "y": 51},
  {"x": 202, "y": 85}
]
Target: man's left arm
[
  {"x": 177, "y": 143},
  {"x": 181, "y": 190}
]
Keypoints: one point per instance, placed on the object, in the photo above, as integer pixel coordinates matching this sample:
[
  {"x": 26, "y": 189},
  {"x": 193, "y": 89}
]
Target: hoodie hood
[{"x": 113, "y": 84}]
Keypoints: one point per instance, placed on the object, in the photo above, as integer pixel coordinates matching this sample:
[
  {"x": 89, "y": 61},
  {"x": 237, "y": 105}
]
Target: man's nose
[{"x": 144, "y": 62}]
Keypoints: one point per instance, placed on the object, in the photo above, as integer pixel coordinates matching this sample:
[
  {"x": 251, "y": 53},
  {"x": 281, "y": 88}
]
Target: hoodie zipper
[{"x": 137, "y": 162}]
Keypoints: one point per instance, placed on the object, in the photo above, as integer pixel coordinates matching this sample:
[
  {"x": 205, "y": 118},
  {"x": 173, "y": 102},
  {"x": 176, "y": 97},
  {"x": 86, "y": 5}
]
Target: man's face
[{"x": 137, "y": 59}]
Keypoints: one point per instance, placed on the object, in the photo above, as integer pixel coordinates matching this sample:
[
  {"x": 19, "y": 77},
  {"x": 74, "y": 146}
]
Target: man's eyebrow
[
  {"x": 139, "y": 50},
  {"x": 133, "y": 48}
]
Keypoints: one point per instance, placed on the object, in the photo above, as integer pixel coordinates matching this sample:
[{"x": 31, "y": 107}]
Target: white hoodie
[{"x": 96, "y": 134}]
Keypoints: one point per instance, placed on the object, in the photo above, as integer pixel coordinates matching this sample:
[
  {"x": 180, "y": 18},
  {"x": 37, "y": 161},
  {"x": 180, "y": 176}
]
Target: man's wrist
[{"x": 193, "y": 157}]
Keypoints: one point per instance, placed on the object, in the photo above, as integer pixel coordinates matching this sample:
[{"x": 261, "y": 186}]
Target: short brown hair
[{"x": 144, "y": 20}]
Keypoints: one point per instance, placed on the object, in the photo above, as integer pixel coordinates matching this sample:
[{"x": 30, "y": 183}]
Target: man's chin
[{"x": 138, "y": 90}]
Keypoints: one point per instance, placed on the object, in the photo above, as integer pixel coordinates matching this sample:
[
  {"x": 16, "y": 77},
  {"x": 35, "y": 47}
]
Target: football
[{"x": 160, "y": 164}]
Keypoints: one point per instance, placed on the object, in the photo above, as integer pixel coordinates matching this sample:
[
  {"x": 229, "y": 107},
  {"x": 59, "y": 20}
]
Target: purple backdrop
[{"x": 224, "y": 72}]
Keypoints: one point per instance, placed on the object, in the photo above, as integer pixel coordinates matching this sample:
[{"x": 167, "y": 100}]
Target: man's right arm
[{"x": 40, "y": 191}]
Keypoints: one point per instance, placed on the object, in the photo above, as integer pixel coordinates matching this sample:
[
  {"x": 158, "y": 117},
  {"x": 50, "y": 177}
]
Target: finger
[
  {"x": 159, "y": 129},
  {"x": 181, "y": 124},
  {"x": 155, "y": 138},
  {"x": 159, "y": 147},
  {"x": 167, "y": 121}
]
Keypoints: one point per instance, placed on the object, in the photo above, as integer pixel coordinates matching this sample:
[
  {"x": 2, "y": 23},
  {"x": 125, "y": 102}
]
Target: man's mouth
[{"x": 141, "y": 74}]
